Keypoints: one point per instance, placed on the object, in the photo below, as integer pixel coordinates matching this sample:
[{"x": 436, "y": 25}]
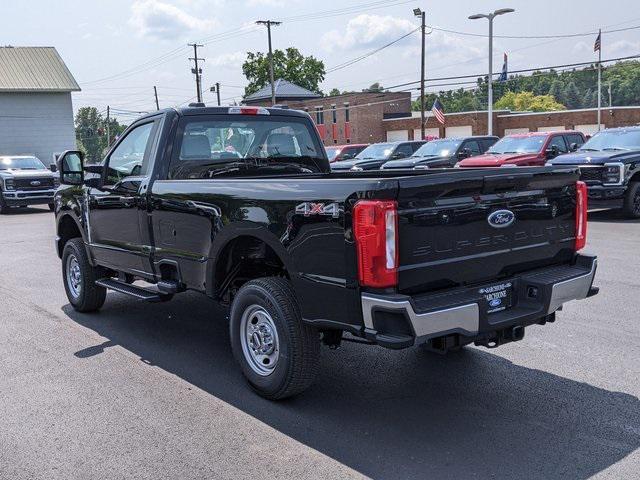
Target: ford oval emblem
[
  {"x": 35, "y": 183},
  {"x": 501, "y": 218},
  {"x": 495, "y": 302}
]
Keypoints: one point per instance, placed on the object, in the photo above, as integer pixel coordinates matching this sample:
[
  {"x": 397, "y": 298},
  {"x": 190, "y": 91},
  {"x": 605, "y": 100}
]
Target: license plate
[{"x": 498, "y": 297}]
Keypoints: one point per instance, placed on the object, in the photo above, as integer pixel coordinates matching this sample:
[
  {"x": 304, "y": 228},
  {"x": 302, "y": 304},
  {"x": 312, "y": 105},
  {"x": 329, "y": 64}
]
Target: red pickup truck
[{"x": 532, "y": 149}]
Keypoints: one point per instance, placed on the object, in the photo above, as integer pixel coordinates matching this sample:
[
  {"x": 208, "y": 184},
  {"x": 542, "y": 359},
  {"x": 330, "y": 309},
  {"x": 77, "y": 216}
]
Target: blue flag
[{"x": 503, "y": 74}]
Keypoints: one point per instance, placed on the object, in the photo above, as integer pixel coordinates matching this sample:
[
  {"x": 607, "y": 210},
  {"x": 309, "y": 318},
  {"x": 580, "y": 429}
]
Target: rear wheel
[
  {"x": 631, "y": 205},
  {"x": 277, "y": 352},
  {"x": 79, "y": 278}
]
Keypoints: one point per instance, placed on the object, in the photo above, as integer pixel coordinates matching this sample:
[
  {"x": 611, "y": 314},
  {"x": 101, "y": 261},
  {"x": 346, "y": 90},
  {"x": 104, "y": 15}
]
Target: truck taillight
[
  {"x": 375, "y": 229},
  {"x": 581, "y": 215}
]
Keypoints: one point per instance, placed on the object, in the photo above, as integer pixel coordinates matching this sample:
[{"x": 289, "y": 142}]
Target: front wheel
[
  {"x": 277, "y": 352},
  {"x": 631, "y": 205},
  {"x": 80, "y": 277},
  {"x": 3, "y": 206}
]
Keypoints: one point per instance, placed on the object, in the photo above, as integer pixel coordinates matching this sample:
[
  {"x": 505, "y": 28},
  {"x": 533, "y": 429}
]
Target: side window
[
  {"x": 403, "y": 150},
  {"x": 575, "y": 138},
  {"x": 131, "y": 156},
  {"x": 488, "y": 143},
  {"x": 415, "y": 146},
  {"x": 473, "y": 147},
  {"x": 559, "y": 142}
]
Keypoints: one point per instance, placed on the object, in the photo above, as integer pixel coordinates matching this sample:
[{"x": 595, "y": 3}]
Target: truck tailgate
[{"x": 447, "y": 240}]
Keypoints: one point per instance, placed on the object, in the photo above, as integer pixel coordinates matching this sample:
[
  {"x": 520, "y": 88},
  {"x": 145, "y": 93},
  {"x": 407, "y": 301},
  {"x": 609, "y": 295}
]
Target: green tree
[
  {"x": 572, "y": 97},
  {"x": 290, "y": 64},
  {"x": 556, "y": 90},
  {"x": 528, "y": 102},
  {"x": 91, "y": 132},
  {"x": 333, "y": 92},
  {"x": 374, "y": 88}
]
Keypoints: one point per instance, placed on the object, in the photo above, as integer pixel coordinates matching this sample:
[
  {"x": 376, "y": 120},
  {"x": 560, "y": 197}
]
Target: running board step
[{"x": 132, "y": 290}]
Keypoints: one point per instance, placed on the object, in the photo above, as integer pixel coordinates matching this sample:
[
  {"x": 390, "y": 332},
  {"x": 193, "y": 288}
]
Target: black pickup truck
[
  {"x": 610, "y": 166},
  {"x": 240, "y": 203}
]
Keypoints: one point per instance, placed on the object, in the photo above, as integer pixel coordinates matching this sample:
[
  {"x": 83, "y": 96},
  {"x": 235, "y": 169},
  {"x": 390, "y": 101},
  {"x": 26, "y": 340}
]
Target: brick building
[
  {"x": 506, "y": 122},
  {"x": 349, "y": 118},
  {"x": 369, "y": 117}
]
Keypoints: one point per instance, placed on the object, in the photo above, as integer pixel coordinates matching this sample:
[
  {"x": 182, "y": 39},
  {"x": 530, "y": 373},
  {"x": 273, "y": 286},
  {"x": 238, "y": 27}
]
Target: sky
[{"x": 118, "y": 50}]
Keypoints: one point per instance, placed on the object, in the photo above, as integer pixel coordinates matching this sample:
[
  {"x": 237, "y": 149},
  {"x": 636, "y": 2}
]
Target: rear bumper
[
  {"x": 19, "y": 198},
  {"x": 398, "y": 321}
]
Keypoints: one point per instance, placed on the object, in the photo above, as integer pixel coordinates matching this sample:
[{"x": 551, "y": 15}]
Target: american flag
[
  {"x": 597, "y": 45},
  {"x": 438, "y": 111}
]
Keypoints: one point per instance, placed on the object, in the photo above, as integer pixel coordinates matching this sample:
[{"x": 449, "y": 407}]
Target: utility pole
[
  {"x": 268, "y": 23},
  {"x": 599, "y": 79},
  {"x": 155, "y": 92},
  {"x": 609, "y": 93},
  {"x": 197, "y": 70},
  {"x": 216, "y": 89},
  {"x": 108, "y": 130},
  {"x": 490, "y": 17},
  {"x": 419, "y": 13}
]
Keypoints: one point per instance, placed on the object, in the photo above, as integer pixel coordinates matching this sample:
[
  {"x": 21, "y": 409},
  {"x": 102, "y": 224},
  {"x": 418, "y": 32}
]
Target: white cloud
[
  {"x": 582, "y": 47},
  {"x": 265, "y": 3},
  {"x": 622, "y": 48},
  {"x": 228, "y": 60},
  {"x": 162, "y": 20},
  {"x": 365, "y": 31}
]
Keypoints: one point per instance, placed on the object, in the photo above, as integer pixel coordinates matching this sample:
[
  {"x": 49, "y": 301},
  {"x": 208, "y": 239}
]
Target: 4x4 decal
[{"x": 310, "y": 208}]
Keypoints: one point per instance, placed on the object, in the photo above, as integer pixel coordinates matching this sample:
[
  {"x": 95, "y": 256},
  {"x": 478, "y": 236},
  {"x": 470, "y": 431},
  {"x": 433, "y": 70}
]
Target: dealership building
[
  {"x": 369, "y": 117},
  {"x": 36, "y": 115}
]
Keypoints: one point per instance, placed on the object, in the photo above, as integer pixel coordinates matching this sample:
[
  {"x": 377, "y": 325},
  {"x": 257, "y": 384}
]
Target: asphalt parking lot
[{"x": 151, "y": 390}]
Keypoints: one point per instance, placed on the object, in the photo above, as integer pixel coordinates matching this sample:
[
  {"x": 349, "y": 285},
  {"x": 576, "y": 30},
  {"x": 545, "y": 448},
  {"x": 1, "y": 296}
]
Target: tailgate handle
[{"x": 518, "y": 181}]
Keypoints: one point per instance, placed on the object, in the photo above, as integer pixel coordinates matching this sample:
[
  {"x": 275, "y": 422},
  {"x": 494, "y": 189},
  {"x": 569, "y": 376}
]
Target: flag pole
[{"x": 599, "y": 79}]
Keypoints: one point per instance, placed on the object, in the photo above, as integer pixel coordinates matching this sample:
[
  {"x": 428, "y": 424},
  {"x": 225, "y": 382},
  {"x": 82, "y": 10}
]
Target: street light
[
  {"x": 490, "y": 17},
  {"x": 419, "y": 13}
]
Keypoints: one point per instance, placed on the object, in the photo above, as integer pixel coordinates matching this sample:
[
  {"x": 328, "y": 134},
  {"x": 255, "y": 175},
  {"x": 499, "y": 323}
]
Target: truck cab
[
  {"x": 526, "y": 149},
  {"x": 609, "y": 165},
  {"x": 444, "y": 153}
]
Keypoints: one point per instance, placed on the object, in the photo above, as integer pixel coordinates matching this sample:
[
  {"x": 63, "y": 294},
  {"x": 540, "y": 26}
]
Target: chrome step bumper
[{"x": 464, "y": 311}]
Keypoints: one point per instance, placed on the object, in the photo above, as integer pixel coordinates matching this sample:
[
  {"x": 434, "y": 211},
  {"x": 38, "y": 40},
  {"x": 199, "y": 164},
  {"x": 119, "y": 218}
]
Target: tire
[
  {"x": 3, "y": 206},
  {"x": 79, "y": 277},
  {"x": 52, "y": 206},
  {"x": 631, "y": 207},
  {"x": 288, "y": 350}
]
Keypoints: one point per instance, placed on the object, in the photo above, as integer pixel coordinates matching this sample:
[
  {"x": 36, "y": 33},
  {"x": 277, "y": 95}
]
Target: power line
[
  {"x": 566, "y": 35},
  {"x": 348, "y": 63},
  {"x": 345, "y": 10},
  {"x": 524, "y": 70}
]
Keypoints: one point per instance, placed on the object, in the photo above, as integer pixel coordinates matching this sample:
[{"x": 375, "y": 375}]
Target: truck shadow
[
  {"x": 393, "y": 414},
  {"x": 610, "y": 216}
]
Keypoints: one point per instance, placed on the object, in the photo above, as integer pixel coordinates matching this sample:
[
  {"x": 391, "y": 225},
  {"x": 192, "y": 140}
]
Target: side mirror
[
  {"x": 552, "y": 152},
  {"x": 574, "y": 147},
  {"x": 70, "y": 167},
  {"x": 53, "y": 167},
  {"x": 464, "y": 153}
]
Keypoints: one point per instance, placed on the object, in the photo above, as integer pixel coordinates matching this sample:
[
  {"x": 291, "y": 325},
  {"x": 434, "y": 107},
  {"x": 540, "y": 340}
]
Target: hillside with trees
[{"x": 569, "y": 89}]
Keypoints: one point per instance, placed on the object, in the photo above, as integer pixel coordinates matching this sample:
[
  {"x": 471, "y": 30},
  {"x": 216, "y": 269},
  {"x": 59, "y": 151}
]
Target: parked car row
[{"x": 609, "y": 162}]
